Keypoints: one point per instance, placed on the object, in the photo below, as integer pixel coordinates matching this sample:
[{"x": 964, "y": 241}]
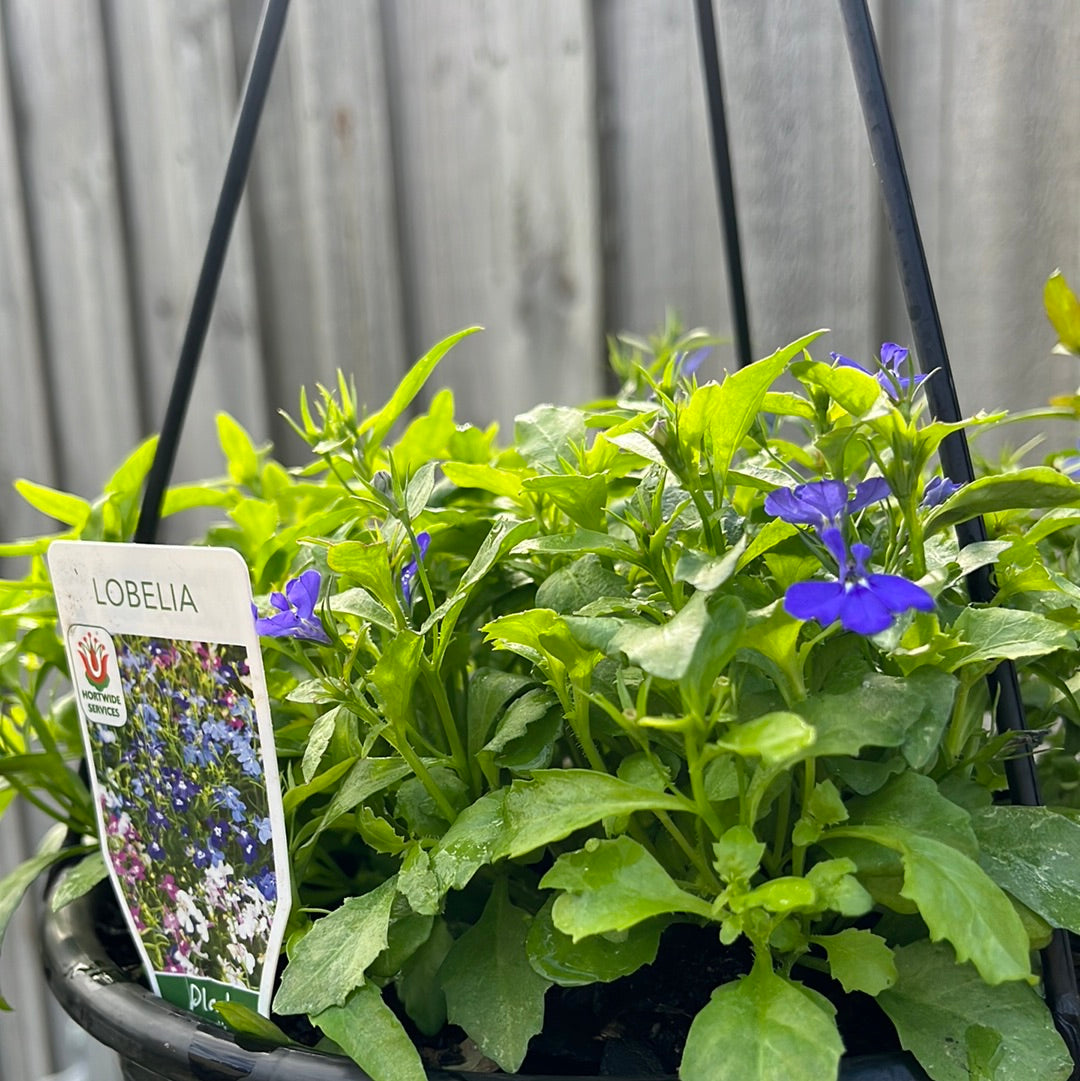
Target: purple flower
[
  {"x": 688, "y": 363},
  {"x": 823, "y": 503},
  {"x": 412, "y": 569},
  {"x": 155, "y": 851},
  {"x": 891, "y": 373},
  {"x": 862, "y": 602},
  {"x": 1070, "y": 466},
  {"x": 937, "y": 491},
  {"x": 295, "y": 616}
]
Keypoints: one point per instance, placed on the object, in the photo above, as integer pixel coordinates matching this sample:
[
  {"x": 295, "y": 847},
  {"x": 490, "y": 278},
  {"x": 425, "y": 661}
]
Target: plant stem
[{"x": 467, "y": 768}]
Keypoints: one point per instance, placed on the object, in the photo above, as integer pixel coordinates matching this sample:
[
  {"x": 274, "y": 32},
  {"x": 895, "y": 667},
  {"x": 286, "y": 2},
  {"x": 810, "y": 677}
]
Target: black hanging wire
[
  {"x": 725, "y": 184},
  {"x": 267, "y": 40},
  {"x": 1059, "y": 973}
]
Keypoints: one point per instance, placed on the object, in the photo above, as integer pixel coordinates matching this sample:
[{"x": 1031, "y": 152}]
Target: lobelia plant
[{"x": 678, "y": 693}]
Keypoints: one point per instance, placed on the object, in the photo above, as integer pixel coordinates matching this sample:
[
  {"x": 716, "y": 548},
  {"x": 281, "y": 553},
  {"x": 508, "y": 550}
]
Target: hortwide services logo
[{"x": 94, "y": 670}]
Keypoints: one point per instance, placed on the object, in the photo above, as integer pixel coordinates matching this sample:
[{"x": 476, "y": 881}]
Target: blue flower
[
  {"x": 937, "y": 491},
  {"x": 891, "y": 374},
  {"x": 266, "y": 883},
  {"x": 688, "y": 363},
  {"x": 863, "y": 602},
  {"x": 823, "y": 503},
  {"x": 295, "y": 616},
  {"x": 412, "y": 569}
]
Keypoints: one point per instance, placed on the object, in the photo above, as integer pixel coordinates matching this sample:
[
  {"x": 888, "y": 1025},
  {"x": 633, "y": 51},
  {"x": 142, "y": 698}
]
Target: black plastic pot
[{"x": 157, "y": 1041}]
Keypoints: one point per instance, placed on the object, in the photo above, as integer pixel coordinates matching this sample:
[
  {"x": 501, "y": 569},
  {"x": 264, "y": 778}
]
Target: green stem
[
  {"x": 688, "y": 850},
  {"x": 798, "y": 852},
  {"x": 697, "y": 785},
  {"x": 467, "y": 768},
  {"x": 401, "y": 745},
  {"x": 580, "y": 724}
]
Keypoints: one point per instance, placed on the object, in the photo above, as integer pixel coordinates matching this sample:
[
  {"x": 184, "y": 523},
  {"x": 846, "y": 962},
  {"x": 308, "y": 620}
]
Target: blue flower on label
[
  {"x": 411, "y": 570},
  {"x": 295, "y": 616},
  {"x": 938, "y": 490},
  {"x": 263, "y": 828},
  {"x": 862, "y": 602},
  {"x": 823, "y": 503},
  {"x": 249, "y": 848},
  {"x": 892, "y": 370},
  {"x": 266, "y": 883},
  {"x": 155, "y": 851}
]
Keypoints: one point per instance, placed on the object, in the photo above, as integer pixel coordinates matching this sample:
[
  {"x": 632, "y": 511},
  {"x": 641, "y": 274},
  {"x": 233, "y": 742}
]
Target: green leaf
[
  {"x": 700, "y": 638},
  {"x": 182, "y": 497},
  {"x": 70, "y": 509},
  {"x": 78, "y": 880},
  {"x": 580, "y": 498},
  {"x": 915, "y": 803},
  {"x": 853, "y": 389},
  {"x": 419, "y": 490},
  {"x": 505, "y": 535},
  {"x": 512, "y": 821},
  {"x": 322, "y": 731},
  {"x": 367, "y": 564},
  {"x": 726, "y": 413},
  {"x": 957, "y": 900},
  {"x": 16, "y": 882},
  {"x": 417, "y": 884},
  {"x": 737, "y": 855},
  {"x": 578, "y": 584},
  {"x": 367, "y": 776},
  {"x": 395, "y": 674},
  {"x": 547, "y": 434},
  {"x": 366, "y": 1029},
  {"x": 1063, "y": 311},
  {"x": 860, "y": 960},
  {"x": 612, "y": 885},
  {"x": 880, "y": 712},
  {"x": 487, "y": 478},
  {"x": 708, "y": 573},
  {"x": 1034, "y": 853},
  {"x": 596, "y": 959},
  {"x": 490, "y": 689},
  {"x": 297, "y": 794},
  {"x": 360, "y": 603},
  {"x": 1035, "y": 487},
  {"x": 418, "y": 983},
  {"x": 523, "y": 716},
  {"x": 935, "y": 1002},
  {"x": 329, "y": 962},
  {"x": 774, "y": 737},
  {"x": 129, "y": 475},
  {"x": 992, "y": 634},
  {"x": 239, "y": 450},
  {"x": 491, "y": 989},
  {"x": 243, "y": 1019},
  {"x": 380, "y": 423},
  {"x": 762, "y": 1028}
]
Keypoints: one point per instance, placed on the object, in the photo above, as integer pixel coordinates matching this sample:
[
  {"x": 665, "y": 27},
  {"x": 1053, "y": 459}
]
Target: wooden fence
[{"x": 540, "y": 167}]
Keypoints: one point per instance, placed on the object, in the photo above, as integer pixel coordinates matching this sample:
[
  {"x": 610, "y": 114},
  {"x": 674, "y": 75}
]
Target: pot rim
[{"x": 141, "y": 1027}]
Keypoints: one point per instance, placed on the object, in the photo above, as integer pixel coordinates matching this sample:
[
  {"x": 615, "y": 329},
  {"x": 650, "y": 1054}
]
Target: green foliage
[{"x": 567, "y": 701}]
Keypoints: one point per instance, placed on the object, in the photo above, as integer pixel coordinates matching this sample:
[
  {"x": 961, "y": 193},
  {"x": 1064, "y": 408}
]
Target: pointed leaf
[
  {"x": 329, "y": 962},
  {"x": 612, "y": 885},
  {"x": 935, "y": 1002},
  {"x": 859, "y": 960},
  {"x": 1033, "y": 853},
  {"x": 491, "y": 989},
  {"x": 1063, "y": 311},
  {"x": 1035, "y": 487},
  {"x": 366, "y": 1029},
  {"x": 529, "y": 814}
]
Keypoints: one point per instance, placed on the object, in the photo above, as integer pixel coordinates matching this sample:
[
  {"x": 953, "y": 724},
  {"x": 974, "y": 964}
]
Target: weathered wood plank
[
  {"x": 323, "y": 206},
  {"x": 494, "y": 127},
  {"x": 1009, "y": 176},
  {"x": 25, "y": 432},
  {"x": 175, "y": 86},
  {"x": 61, "y": 102}
]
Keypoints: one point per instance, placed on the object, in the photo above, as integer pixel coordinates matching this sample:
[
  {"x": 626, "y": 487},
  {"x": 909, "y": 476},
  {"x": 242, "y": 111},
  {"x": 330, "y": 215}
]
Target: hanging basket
[{"x": 157, "y": 1041}]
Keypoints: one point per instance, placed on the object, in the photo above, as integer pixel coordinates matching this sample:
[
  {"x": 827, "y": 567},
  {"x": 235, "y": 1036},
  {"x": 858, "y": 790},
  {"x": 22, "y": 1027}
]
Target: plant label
[{"x": 171, "y": 696}]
